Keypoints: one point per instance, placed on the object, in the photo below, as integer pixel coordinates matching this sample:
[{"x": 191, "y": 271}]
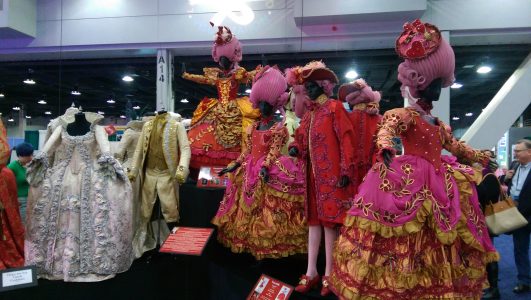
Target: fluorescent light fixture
[
  {"x": 47, "y": 112},
  {"x": 484, "y": 69},
  {"x": 42, "y": 102},
  {"x": 136, "y": 107},
  {"x": 469, "y": 114},
  {"x": 111, "y": 101},
  {"x": 127, "y": 78},
  {"x": 2, "y": 95},
  {"x": 75, "y": 92},
  {"x": 16, "y": 108},
  {"x": 456, "y": 85},
  {"x": 28, "y": 117},
  {"x": 100, "y": 112},
  {"x": 455, "y": 118},
  {"x": 10, "y": 120},
  {"x": 29, "y": 81},
  {"x": 468, "y": 66},
  {"x": 248, "y": 91},
  {"x": 184, "y": 100},
  {"x": 351, "y": 74},
  {"x": 122, "y": 117}
]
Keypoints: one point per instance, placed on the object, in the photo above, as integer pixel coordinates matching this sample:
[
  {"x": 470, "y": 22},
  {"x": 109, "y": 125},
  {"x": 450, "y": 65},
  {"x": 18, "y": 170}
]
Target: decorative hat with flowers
[
  {"x": 313, "y": 71},
  {"x": 427, "y": 57},
  {"x": 226, "y": 44}
]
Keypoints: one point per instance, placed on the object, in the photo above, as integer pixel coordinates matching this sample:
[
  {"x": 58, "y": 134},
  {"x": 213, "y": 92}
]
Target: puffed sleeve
[
  {"x": 394, "y": 122},
  {"x": 462, "y": 151}
]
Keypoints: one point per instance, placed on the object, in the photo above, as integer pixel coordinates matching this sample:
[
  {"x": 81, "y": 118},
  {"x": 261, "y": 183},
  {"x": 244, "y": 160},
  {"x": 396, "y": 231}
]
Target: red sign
[
  {"x": 186, "y": 240},
  {"x": 208, "y": 177},
  {"x": 268, "y": 288}
]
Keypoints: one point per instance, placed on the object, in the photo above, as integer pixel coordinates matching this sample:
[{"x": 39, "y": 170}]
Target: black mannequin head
[
  {"x": 225, "y": 63},
  {"x": 313, "y": 90},
  {"x": 432, "y": 91},
  {"x": 265, "y": 108},
  {"x": 80, "y": 126}
]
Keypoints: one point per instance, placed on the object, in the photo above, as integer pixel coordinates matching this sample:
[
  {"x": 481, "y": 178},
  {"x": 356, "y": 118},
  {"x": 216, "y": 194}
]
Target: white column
[
  {"x": 164, "y": 80},
  {"x": 441, "y": 108},
  {"x": 503, "y": 110}
]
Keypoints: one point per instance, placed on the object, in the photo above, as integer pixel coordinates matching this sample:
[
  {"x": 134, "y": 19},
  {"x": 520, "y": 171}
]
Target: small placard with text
[
  {"x": 268, "y": 288},
  {"x": 18, "y": 278}
]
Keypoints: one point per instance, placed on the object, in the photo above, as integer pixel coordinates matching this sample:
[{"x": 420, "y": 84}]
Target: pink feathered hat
[
  {"x": 226, "y": 44},
  {"x": 427, "y": 56},
  {"x": 269, "y": 85}
]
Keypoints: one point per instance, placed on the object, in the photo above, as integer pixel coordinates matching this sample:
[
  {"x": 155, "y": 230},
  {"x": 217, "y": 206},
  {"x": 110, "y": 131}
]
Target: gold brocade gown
[{"x": 217, "y": 125}]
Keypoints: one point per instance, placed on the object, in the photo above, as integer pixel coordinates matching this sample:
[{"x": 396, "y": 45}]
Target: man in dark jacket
[{"x": 518, "y": 180}]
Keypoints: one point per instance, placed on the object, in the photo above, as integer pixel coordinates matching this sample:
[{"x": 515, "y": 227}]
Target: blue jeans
[
  {"x": 521, "y": 238},
  {"x": 23, "y": 201}
]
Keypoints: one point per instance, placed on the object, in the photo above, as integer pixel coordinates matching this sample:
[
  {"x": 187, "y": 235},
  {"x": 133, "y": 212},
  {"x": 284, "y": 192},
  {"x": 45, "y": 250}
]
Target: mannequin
[
  {"x": 415, "y": 229},
  {"x": 80, "y": 126},
  {"x": 323, "y": 142},
  {"x": 219, "y": 124},
  {"x": 161, "y": 162},
  {"x": 262, "y": 211},
  {"x": 79, "y": 201},
  {"x": 11, "y": 227}
]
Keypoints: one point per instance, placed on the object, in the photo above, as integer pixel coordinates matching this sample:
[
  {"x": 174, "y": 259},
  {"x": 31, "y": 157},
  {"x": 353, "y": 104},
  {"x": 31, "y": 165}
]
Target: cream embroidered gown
[{"x": 79, "y": 224}]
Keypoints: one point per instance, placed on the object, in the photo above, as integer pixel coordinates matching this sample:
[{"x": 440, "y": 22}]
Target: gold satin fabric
[
  {"x": 155, "y": 155},
  {"x": 159, "y": 182}
]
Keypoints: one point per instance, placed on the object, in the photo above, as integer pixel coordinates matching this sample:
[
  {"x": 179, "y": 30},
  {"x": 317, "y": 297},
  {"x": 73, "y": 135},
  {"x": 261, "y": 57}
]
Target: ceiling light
[
  {"x": 122, "y": 117},
  {"x": 455, "y": 118},
  {"x": 468, "y": 66},
  {"x": 248, "y": 91},
  {"x": 16, "y": 108},
  {"x": 111, "y": 101},
  {"x": 2, "y": 95},
  {"x": 42, "y": 101},
  {"x": 10, "y": 120},
  {"x": 351, "y": 74},
  {"x": 136, "y": 107},
  {"x": 127, "y": 78},
  {"x": 456, "y": 85},
  {"x": 184, "y": 100},
  {"x": 47, "y": 112},
  {"x": 100, "y": 112},
  {"x": 277, "y": 112},
  {"x": 75, "y": 91},
  {"x": 469, "y": 114},
  {"x": 484, "y": 69},
  {"x": 28, "y": 117},
  {"x": 29, "y": 79}
]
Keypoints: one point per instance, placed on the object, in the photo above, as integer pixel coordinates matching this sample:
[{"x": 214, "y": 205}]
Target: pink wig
[
  {"x": 269, "y": 85},
  {"x": 427, "y": 57},
  {"x": 226, "y": 44}
]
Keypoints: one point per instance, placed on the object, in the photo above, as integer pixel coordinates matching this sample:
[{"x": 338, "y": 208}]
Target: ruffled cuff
[
  {"x": 182, "y": 174},
  {"x": 37, "y": 168},
  {"x": 110, "y": 167}
]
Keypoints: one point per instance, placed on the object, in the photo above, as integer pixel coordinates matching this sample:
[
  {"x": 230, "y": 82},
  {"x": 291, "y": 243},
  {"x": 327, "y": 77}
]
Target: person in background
[
  {"x": 519, "y": 186},
  {"x": 24, "y": 156}
]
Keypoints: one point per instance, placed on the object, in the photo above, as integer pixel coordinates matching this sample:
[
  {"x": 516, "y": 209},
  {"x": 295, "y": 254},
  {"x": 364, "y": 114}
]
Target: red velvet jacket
[{"x": 325, "y": 141}]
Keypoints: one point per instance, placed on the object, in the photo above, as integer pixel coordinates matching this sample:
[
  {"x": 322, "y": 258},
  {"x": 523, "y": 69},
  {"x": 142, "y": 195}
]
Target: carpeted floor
[{"x": 507, "y": 274}]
